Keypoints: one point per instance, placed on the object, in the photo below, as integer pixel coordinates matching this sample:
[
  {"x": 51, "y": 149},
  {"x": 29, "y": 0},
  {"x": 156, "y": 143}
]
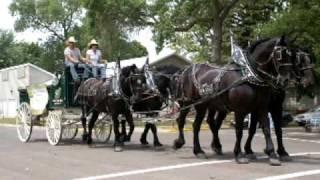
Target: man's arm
[{"x": 71, "y": 59}]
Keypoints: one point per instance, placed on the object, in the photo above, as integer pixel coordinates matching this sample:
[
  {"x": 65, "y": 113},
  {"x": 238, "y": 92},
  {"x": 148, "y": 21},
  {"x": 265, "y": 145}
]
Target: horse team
[{"x": 257, "y": 88}]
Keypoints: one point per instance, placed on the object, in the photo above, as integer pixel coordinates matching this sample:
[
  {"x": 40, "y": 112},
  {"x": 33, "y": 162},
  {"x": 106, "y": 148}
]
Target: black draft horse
[
  {"x": 305, "y": 78},
  {"x": 151, "y": 103},
  {"x": 95, "y": 97},
  {"x": 269, "y": 59}
]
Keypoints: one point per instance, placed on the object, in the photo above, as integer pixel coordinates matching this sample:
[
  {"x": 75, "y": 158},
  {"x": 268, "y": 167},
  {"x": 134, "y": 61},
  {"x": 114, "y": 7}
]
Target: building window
[
  {"x": 5, "y": 76},
  {"x": 21, "y": 72}
]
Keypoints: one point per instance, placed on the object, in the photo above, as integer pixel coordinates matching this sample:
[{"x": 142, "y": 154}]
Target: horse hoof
[
  {"x": 274, "y": 162},
  {"x": 84, "y": 137},
  {"x": 157, "y": 144},
  {"x": 178, "y": 144},
  {"x": 201, "y": 156},
  {"x": 92, "y": 145},
  {"x": 251, "y": 156},
  {"x": 240, "y": 159},
  {"x": 89, "y": 142},
  {"x": 144, "y": 142},
  {"x": 127, "y": 139},
  {"x": 285, "y": 158},
  {"x": 218, "y": 151},
  {"x": 118, "y": 149}
]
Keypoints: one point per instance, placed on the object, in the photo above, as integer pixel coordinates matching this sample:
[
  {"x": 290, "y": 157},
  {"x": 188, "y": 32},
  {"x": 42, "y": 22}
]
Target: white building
[{"x": 13, "y": 78}]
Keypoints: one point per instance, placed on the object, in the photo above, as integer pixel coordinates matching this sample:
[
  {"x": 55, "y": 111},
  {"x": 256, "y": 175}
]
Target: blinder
[{"x": 278, "y": 61}]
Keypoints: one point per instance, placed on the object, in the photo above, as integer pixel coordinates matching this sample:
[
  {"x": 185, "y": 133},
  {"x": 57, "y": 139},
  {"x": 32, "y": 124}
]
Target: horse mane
[
  {"x": 254, "y": 45},
  {"x": 126, "y": 71},
  {"x": 167, "y": 69}
]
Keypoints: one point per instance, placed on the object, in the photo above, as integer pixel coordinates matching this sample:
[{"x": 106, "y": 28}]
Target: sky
[{"x": 7, "y": 23}]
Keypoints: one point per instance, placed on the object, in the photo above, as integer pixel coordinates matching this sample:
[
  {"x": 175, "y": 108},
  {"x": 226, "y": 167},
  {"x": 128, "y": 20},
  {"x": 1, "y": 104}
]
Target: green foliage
[
  {"x": 110, "y": 21},
  {"x": 301, "y": 22},
  {"x": 58, "y": 17},
  {"x": 64, "y": 18},
  {"x": 193, "y": 25},
  {"x": 13, "y": 53}
]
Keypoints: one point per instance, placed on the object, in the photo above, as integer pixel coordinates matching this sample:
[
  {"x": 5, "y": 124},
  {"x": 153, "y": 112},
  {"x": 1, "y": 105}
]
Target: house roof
[
  {"x": 161, "y": 58},
  {"x": 28, "y": 65},
  {"x": 139, "y": 62}
]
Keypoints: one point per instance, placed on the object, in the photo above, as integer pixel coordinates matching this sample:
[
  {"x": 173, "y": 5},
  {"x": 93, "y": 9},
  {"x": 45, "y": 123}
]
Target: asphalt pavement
[{"x": 75, "y": 160}]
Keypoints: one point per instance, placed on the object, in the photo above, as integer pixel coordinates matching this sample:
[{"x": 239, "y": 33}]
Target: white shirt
[
  {"x": 94, "y": 56},
  {"x": 74, "y": 53}
]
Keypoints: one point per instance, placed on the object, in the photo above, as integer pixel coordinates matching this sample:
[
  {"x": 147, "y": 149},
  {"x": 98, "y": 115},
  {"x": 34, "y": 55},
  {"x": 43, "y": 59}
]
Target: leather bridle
[{"x": 276, "y": 58}]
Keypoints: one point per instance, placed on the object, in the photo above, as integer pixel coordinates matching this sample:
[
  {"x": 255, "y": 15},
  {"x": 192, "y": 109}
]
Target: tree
[
  {"x": 111, "y": 21},
  {"x": 58, "y": 17},
  {"x": 174, "y": 18},
  {"x": 13, "y": 53},
  {"x": 300, "y": 20}
]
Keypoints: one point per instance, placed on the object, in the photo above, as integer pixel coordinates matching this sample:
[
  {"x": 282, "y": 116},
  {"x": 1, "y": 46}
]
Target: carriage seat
[{"x": 79, "y": 70}]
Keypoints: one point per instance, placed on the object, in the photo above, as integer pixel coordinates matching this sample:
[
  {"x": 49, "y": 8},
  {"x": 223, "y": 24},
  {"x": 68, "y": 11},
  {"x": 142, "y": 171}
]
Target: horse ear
[
  {"x": 283, "y": 40},
  {"x": 118, "y": 61},
  {"x": 147, "y": 61}
]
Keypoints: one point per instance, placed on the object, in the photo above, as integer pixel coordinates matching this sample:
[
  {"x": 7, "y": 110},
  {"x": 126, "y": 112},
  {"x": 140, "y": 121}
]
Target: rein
[{"x": 275, "y": 63}]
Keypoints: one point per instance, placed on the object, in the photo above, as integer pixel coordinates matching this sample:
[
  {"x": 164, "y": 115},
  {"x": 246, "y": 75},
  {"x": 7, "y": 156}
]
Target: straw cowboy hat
[
  {"x": 71, "y": 40},
  {"x": 93, "y": 42}
]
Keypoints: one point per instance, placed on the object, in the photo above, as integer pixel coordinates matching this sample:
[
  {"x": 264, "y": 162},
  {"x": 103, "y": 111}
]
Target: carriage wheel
[
  {"x": 24, "y": 122},
  {"x": 54, "y": 127},
  {"x": 102, "y": 130},
  {"x": 70, "y": 131}
]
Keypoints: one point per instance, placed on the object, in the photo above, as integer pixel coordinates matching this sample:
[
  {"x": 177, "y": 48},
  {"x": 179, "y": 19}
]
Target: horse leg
[
  {"x": 277, "y": 121},
  {"x": 239, "y": 119},
  {"x": 154, "y": 130},
  {"x": 215, "y": 125},
  {"x": 181, "y": 120},
  {"x": 143, "y": 138},
  {"x": 84, "y": 123},
  {"x": 252, "y": 131},
  {"x": 118, "y": 144},
  {"x": 264, "y": 120},
  {"x": 123, "y": 129},
  {"x": 200, "y": 114},
  {"x": 129, "y": 119},
  {"x": 93, "y": 119}
]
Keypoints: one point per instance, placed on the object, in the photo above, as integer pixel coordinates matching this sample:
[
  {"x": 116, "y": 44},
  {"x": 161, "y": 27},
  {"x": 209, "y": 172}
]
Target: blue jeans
[
  {"x": 74, "y": 68},
  {"x": 96, "y": 69}
]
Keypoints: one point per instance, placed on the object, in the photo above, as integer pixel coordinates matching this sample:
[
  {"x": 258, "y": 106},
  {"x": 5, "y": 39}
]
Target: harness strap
[{"x": 207, "y": 98}]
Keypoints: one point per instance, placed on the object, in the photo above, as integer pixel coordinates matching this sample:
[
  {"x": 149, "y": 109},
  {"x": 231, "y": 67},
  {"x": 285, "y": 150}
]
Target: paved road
[{"x": 39, "y": 160}]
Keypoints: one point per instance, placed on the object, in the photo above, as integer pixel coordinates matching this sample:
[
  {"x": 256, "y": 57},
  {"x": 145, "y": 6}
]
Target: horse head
[
  {"x": 133, "y": 82},
  {"x": 272, "y": 61},
  {"x": 304, "y": 60}
]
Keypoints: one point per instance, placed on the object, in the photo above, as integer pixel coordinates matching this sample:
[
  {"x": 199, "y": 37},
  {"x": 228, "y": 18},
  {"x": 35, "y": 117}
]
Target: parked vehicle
[
  {"x": 313, "y": 125},
  {"x": 303, "y": 118}
]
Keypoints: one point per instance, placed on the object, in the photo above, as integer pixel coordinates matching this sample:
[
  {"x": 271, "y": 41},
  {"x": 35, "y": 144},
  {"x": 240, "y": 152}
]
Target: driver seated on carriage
[{"x": 74, "y": 60}]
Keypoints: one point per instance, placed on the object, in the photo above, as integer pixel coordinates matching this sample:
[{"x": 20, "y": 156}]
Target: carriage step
[{"x": 71, "y": 117}]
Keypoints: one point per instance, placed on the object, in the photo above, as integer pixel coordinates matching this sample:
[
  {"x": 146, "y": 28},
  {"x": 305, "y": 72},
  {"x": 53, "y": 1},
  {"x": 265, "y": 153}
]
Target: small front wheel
[{"x": 54, "y": 127}]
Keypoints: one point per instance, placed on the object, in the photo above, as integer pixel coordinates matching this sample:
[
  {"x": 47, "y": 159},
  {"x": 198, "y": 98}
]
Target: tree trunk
[{"x": 216, "y": 55}]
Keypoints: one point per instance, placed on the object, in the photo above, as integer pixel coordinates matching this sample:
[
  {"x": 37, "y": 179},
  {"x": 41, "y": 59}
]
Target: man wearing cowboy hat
[
  {"x": 94, "y": 57},
  {"x": 74, "y": 60}
]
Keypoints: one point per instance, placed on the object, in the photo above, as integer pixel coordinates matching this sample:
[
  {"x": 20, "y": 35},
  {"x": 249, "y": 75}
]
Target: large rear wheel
[
  {"x": 70, "y": 131},
  {"x": 24, "y": 122}
]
